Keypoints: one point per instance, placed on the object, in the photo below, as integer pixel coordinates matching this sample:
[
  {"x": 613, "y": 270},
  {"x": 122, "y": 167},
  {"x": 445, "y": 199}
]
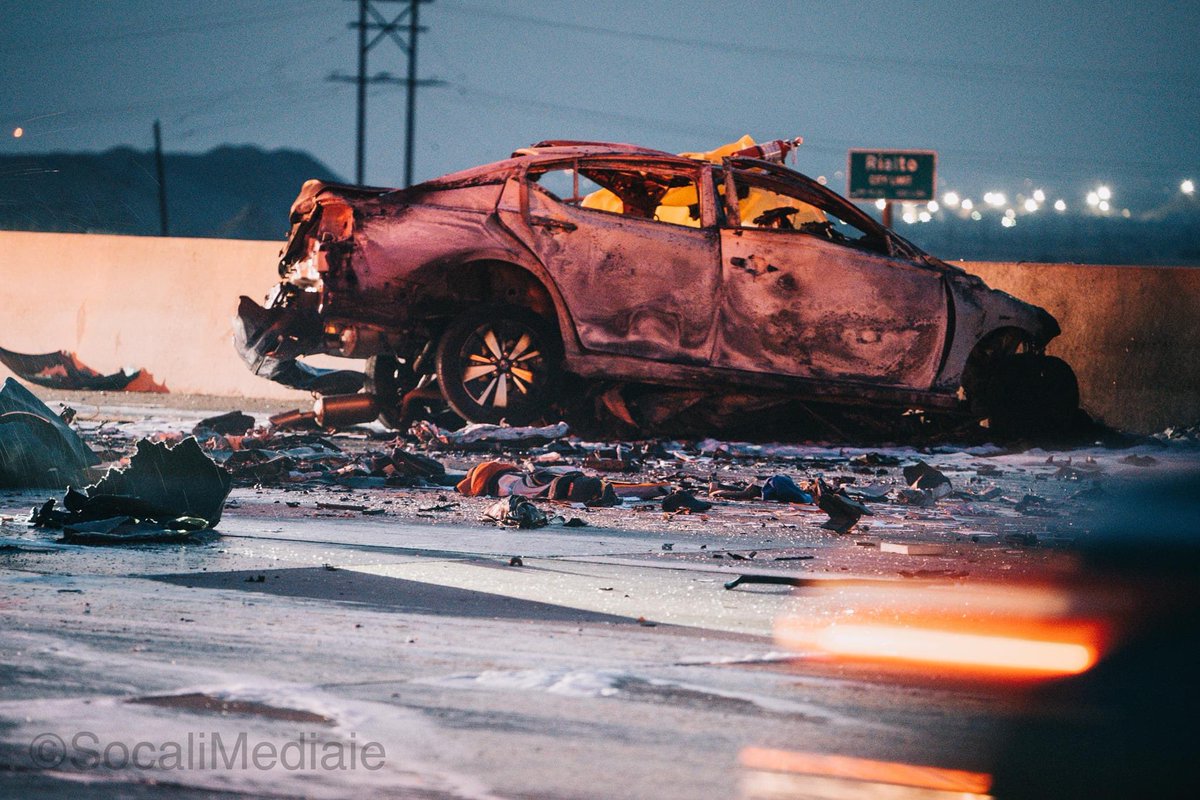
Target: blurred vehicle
[
  {"x": 1100, "y": 650},
  {"x": 612, "y": 262}
]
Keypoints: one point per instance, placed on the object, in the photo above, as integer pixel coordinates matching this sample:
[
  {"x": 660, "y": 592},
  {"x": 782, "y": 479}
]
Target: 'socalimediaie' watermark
[{"x": 207, "y": 750}]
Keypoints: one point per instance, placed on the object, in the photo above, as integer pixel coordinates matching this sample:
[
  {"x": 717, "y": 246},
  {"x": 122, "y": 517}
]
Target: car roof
[{"x": 570, "y": 147}]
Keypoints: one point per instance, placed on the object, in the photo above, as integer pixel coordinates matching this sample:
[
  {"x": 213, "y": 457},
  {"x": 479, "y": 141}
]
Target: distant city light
[
  {"x": 932, "y": 205},
  {"x": 1060, "y": 205},
  {"x": 1009, "y": 213},
  {"x": 1039, "y": 195},
  {"x": 975, "y": 215},
  {"x": 1126, "y": 213},
  {"x": 881, "y": 204},
  {"x": 968, "y": 204},
  {"x": 909, "y": 217},
  {"x": 1187, "y": 187},
  {"x": 995, "y": 199},
  {"x": 1093, "y": 199},
  {"x": 1008, "y": 222},
  {"x": 1104, "y": 193},
  {"x": 1031, "y": 205},
  {"x": 19, "y": 132},
  {"x": 821, "y": 179},
  {"x": 925, "y": 216},
  {"x": 1104, "y": 206},
  {"x": 951, "y": 199}
]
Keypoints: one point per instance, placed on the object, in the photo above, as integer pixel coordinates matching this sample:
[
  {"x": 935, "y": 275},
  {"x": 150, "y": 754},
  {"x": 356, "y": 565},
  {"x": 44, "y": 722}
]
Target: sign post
[{"x": 891, "y": 175}]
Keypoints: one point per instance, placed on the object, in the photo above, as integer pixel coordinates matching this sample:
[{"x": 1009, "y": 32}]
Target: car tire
[
  {"x": 1031, "y": 395},
  {"x": 499, "y": 363},
  {"x": 389, "y": 380}
]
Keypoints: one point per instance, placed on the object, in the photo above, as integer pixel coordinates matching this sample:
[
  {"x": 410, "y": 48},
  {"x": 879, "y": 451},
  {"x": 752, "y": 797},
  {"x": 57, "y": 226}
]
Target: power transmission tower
[{"x": 406, "y": 21}]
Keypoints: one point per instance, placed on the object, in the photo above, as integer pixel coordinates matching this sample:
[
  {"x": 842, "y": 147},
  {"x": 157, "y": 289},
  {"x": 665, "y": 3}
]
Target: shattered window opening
[
  {"x": 763, "y": 203},
  {"x": 665, "y": 196}
]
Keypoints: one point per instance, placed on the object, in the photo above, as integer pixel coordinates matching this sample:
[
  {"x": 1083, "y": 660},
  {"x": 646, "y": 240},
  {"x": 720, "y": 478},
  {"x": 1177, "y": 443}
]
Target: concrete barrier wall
[
  {"x": 162, "y": 304},
  {"x": 166, "y": 305},
  {"x": 1131, "y": 333}
]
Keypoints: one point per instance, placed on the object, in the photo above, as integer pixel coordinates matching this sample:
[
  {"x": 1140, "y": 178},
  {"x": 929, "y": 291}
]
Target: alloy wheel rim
[{"x": 504, "y": 365}]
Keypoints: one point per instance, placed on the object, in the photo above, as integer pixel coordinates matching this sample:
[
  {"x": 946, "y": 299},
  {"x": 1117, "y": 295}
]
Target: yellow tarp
[{"x": 674, "y": 207}]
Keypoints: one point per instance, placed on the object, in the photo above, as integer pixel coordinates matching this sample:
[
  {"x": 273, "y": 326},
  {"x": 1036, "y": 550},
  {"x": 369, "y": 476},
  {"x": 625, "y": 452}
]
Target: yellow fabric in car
[{"x": 677, "y": 204}]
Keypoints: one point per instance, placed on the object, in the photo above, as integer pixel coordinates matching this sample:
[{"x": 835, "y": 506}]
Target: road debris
[
  {"x": 37, "y": 448},
  {"x": 912, "y": 548},
  {"x": 844, "y": 512},
  {"x": 165, "y": 492},
  {"x": 516, "y": 511},
  {"x": 782, "y": 489},
  {"x": 483, "y": 436},
  {"x": 233, "y": 422},
  {"x": 682, "y": 501},
  {"x": 926, "y": 485},
  {"x": 780, "y": 580}
]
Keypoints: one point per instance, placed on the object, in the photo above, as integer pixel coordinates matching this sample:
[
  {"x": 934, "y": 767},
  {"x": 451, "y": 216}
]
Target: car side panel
[
  {"x": 798, "y": 304},
  {"x": 634, "y": 287}
]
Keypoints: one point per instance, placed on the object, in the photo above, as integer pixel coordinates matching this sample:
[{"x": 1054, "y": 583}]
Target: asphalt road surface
[{"x": 317, "y": 652}]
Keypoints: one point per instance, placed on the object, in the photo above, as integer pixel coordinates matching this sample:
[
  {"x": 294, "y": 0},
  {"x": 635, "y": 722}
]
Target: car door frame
[
  {"x": 928, "y": 337},
  {"x": 542, "y": 217}
]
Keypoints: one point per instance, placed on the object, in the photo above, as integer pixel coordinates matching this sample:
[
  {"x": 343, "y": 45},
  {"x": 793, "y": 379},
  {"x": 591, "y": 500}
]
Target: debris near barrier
[
  {"x": 1179, "y": 434},
  {"x": 165, "y": 494},
  {"x": 38, "y": 449},
  {"x": 64, "y": 370}
]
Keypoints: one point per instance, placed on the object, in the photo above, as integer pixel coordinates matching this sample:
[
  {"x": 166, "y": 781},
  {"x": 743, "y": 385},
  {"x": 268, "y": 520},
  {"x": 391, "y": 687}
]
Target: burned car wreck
[{"x": 505, "y": 288}]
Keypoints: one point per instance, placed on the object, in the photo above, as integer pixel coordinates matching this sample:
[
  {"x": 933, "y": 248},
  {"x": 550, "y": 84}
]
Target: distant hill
[{"x": 229, "y": 192}]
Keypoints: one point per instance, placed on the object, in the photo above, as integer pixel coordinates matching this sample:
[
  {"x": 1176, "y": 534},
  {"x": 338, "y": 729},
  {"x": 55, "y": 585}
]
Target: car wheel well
[{"x": 987, "y": 353}]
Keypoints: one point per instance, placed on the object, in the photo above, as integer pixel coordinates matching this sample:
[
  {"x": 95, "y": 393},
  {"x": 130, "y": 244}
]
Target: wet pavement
[{"x": 610, "y": 662}]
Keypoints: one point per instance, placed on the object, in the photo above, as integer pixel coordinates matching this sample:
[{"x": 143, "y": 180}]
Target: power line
[
  {"x": 407, "y": 21},
  {"x": 197, "y": 24},
  {"x": 1122, "y": 80}
]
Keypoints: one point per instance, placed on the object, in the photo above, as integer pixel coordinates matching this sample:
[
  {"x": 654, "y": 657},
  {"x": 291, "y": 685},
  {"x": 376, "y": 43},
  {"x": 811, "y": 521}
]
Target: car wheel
[
  {"x": 389, "y": 380},
  {"x": 499, "y": 363},
  {"x": 1031, "y": 395}
]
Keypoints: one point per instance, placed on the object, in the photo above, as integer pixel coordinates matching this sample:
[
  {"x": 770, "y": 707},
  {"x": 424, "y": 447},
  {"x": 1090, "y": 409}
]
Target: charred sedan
[{"x": 616, "y": 263}]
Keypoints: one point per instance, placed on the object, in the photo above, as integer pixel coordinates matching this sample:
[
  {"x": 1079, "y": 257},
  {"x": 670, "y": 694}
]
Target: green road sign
[{"x": 892, "y": 174}]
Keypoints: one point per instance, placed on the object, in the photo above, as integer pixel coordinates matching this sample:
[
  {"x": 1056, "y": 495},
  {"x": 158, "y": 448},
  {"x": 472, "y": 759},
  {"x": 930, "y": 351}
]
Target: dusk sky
[{"x": 1062, "y": 95}]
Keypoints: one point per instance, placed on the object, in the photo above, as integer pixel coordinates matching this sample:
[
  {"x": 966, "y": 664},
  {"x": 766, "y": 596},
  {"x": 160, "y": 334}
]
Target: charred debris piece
[
  {"x": 64, "y": 370},
  {"x": 37, "y": 448},
  {"x": 165, "y": 494},
  {"x": 232, "y": 422},
  {"x": 926, "y": 485}
]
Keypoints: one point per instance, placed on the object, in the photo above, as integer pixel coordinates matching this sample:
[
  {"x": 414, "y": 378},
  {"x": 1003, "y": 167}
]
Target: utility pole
[
  {"x": 162, "y": 178},
  {"x": 370, "y": 18}
]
